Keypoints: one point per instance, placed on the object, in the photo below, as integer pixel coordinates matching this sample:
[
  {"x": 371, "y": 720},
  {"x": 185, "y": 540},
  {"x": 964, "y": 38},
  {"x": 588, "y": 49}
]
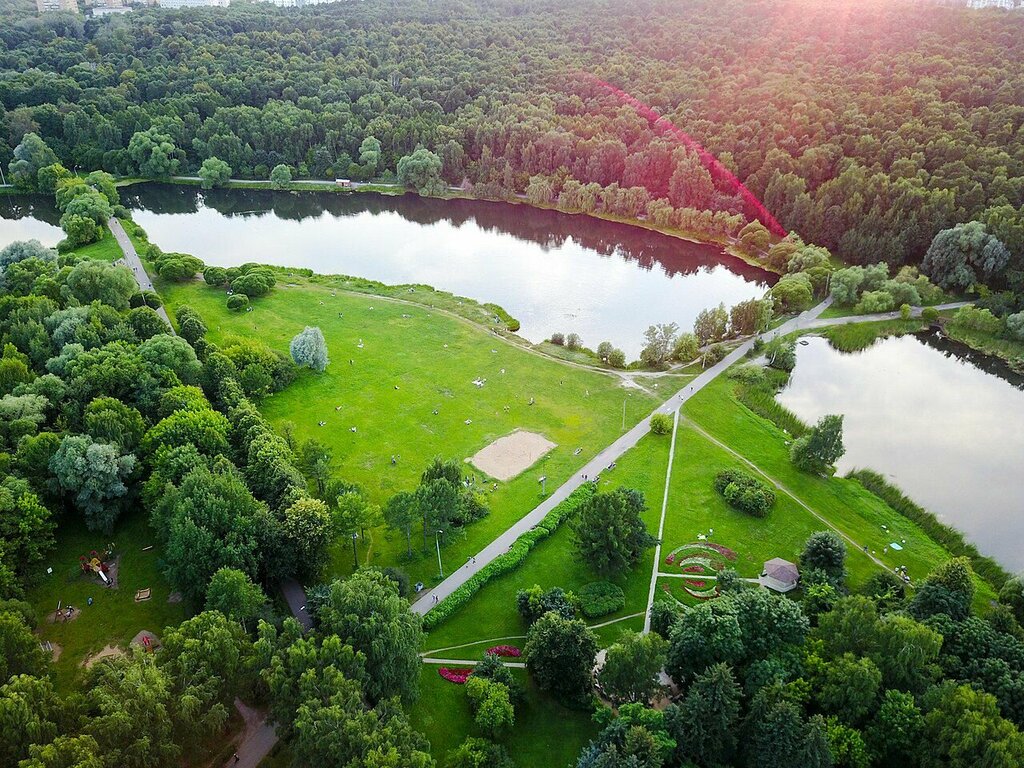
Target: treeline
[
  {"x": 106, "y": 412},
  {"x": 877, "y": 678},
  {"x": 867, "y": 137}
]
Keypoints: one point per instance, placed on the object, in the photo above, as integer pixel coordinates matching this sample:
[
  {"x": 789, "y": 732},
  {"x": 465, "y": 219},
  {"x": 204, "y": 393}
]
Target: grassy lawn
[
  {"x": 553, "y": 563},
  {"x": 114, "y": 618},
  {"x": 414, "y": 361},
  {"x": 104, "y": 249},
  {"x": 845, "y": 503},
  {"x": 544, "y": 734}
]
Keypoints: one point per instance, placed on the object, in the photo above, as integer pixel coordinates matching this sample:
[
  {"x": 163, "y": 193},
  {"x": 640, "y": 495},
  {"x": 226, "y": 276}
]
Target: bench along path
[{"x": 605, "y": 457}]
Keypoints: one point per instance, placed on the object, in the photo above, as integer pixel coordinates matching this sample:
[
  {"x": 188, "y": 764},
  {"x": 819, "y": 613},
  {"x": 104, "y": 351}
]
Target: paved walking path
[
  {"x": 134, "y": 263},
  {"x": 295, "y": 596},
  {"x": 258, "y": 738},
  {"x": 661, "y": 524},
  {"x": 471, "y": 663},
  {"x": 601, "y": 461}
]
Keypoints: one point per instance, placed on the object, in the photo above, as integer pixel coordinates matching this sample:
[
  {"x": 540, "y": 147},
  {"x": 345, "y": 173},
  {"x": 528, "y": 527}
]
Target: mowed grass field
[
  {"x": 845, "y": 504},
  {"x": 393, "y": 364},
  {"x": 554, "y": 563},
  {"x": 694, "y": 508}
]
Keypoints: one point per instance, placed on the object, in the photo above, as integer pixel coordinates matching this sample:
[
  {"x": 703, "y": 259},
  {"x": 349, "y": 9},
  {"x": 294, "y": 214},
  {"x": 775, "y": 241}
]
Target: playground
[{"x": 104, "y": 619}]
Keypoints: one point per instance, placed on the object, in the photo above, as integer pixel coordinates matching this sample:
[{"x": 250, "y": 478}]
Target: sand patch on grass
[
  {"x": 106, "y": 652},
  {"x": 512, "y": 454}
]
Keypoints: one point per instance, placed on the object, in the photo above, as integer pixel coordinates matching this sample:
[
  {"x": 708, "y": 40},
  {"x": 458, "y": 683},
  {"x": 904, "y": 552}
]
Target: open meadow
[{"x": 401, "y": 384}]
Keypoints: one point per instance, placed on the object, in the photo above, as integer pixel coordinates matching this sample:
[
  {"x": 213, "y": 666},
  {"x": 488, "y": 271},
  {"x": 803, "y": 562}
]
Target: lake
[
  {"x": 552, "y": 271},
  {"x": 944, "y": 424},
  {"x": 29, "y": 217}
]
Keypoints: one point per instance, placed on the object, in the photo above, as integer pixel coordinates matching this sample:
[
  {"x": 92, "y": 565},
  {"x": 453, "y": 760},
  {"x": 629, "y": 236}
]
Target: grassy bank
[
  {"x": 859, "y": 514},
  {"x": 855, "y": 337},
  {"x": 949, "y": 537},
  {"x": 1010, "y": 350}
]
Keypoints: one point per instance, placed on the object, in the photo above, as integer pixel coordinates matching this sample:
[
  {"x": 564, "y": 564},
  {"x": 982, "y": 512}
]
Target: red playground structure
[{"x": 95, "y": 564}]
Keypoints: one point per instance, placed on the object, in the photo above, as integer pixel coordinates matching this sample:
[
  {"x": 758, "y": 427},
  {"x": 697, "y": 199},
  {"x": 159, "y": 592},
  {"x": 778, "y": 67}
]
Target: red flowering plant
[
  {"x": 457, "y": 676},
  {"x": 505, "y": 650}
]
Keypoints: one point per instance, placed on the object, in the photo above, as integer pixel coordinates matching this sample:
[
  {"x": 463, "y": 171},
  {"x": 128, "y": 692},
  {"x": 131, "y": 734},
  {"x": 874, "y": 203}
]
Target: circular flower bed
[
  {"x": 505, "y": 650},
  {"x": 701, "y": 594},
  {"x": 457, "y": 676}
]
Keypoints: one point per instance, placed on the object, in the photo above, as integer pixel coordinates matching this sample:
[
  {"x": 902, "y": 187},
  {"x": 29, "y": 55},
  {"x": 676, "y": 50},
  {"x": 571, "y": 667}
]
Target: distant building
[
  {"x": 194, "y": 3},
  {"x": 108, "y": 7},
  {"x": 46, "y": 6},
  {"x": 780, "y": 575},
  {"x": 1008, "y": 4},
  {"x": 298, "y": 3}
]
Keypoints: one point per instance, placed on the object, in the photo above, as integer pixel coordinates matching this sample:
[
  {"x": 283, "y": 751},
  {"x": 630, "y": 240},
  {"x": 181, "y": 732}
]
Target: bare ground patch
[
  {"x": 106, "y": 652},
  {"x": 512, "y": 454}
]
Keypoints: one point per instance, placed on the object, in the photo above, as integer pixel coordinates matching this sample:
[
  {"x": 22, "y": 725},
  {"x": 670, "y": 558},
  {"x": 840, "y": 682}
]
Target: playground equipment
[{"x": 93, "y": 564}]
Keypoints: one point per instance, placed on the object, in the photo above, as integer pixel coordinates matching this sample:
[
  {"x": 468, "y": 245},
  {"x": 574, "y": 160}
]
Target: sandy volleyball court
[{"x": 508, "y": 456}]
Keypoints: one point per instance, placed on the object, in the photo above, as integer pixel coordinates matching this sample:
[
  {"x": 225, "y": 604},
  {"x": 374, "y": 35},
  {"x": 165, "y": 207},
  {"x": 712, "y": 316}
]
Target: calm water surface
[
  {"x": 927, "y": 414},
  {"x": 552, "y": 271},
  {"x": 29, "y": 217}
]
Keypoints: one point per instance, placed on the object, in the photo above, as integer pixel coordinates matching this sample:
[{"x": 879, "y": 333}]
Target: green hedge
[
  {"x": 946, "y": 535},
  {"x": 599, "y": 598},
  {"x": 510, "y": 560}
]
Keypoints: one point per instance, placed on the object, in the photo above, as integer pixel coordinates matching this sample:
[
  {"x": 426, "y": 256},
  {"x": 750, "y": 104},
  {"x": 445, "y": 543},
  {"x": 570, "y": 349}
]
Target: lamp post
[
  {"x": 355, "y": 557},
  {"x": 437, "y": 541},
  {"x": 543, "y": 485}
]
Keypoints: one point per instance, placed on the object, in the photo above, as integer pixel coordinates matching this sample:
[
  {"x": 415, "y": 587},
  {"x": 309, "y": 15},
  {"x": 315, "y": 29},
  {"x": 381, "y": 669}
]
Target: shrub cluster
[
  {"x": 745, "y": 493},
  {"x": 177, "y": 267},
  {"x": 511, "y": 560},
  {"x": 599, "y": 598},
  {"x": 249, "y": 280}
]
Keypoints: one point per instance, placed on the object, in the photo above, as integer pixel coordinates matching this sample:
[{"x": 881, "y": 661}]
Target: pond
[
  {"x": 944, "y": 424},
  {"x": 551, "y": 271},
  {"x": 29, "y": 217}
]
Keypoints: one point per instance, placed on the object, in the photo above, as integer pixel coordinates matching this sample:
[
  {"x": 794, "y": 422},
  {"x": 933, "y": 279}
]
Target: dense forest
[{"x": 866, "y": 128}]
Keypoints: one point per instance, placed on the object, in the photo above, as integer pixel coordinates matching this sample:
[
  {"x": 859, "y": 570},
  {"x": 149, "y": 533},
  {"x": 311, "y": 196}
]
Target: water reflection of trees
[
  {"x": 39, "y": 207},
  {"x": 959, "y": 351},
  {"x": 548, "y": 229}
]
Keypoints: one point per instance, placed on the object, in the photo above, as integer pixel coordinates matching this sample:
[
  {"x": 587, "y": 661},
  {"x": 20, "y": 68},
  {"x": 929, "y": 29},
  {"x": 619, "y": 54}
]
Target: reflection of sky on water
[
  {"x": 949, "y": 434},
  {"x": 28, "y": 229},
  {"x": 563, "y": 287}
]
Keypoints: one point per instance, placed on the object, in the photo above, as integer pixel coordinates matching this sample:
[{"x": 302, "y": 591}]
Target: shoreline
[{"x": 728, "y": 246}]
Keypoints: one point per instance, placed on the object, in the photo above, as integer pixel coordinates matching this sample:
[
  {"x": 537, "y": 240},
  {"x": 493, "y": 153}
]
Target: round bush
[
  {"x": 929, "y": 314},
  {"x": 745, "y": 493},
  {"x": 599, "y": 598},
  {"x": 238, "y": 301},
  {"x": 661, "y": 424}
]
